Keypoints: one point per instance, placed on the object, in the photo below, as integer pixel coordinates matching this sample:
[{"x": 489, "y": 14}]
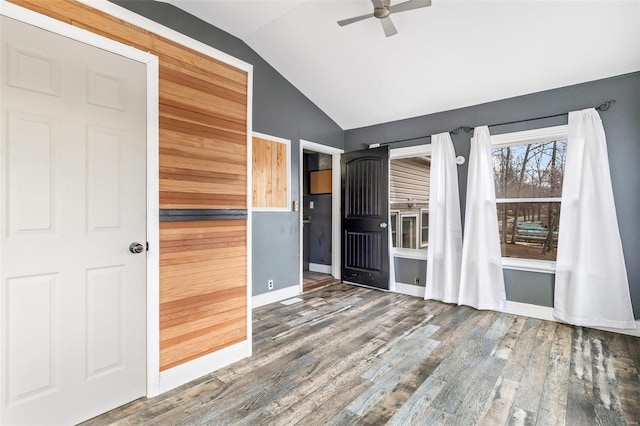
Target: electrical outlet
[
  {"x": 310, "y": 204},
  {"x": 417, "y": 280},
  {"x": 270, "y": 284}
]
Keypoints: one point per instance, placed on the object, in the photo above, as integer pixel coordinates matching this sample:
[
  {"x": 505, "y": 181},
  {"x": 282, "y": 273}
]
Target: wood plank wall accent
[
  {"x": 203, "y": 165},
  {"x": 269, "y": 176},
  {"x": 200, "y": 315}
]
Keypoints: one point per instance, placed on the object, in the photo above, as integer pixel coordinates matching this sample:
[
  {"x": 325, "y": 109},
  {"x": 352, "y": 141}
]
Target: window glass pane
[
  {"x": 525, "y": 230},
  {"x": 394, "y": 233},
  {"x": 530, "y": 170},
  {"x": 424, "y": 229},
  {"x": 409, "y": 232},
  {"x": 409, "y": 194}
]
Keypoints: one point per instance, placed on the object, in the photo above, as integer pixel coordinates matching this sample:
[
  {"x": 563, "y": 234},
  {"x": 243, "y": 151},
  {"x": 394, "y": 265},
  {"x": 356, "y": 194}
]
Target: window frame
[
  {"x": 395, "y": 221},
  {"x": 541, "y": 135},
  {"x": 409, "y": 152},
  {"x": 423, "y": 244},
  {"x": 416, "y": 230}
]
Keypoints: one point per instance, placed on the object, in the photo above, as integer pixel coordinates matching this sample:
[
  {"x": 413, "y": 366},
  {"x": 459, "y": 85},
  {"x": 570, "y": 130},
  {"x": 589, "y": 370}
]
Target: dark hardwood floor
[{"x": 348, "y": 355}]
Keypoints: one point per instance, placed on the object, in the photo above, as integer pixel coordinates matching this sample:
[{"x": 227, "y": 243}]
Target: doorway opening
[{"x": 319, "y": 216}]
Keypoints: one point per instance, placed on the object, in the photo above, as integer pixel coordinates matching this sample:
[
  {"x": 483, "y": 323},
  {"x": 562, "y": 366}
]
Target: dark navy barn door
[{"x": 365, "y": 213}]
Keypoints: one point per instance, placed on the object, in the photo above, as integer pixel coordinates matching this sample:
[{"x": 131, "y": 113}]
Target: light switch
[{"x": 310, "y": 204}]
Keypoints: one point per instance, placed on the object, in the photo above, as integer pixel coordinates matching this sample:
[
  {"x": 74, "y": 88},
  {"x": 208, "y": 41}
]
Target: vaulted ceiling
[{"x": 450, "y": 55}]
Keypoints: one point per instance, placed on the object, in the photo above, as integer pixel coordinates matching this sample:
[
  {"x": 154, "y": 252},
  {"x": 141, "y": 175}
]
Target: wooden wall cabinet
[{"x": 320, "y": 182}]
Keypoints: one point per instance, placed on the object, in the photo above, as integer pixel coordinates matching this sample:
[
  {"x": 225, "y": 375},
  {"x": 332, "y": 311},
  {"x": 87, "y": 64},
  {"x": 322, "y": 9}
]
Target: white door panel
[{"x": 73, "y": 164}]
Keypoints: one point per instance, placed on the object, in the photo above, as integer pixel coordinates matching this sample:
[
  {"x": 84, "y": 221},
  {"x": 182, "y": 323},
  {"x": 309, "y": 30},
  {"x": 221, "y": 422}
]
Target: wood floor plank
[
  {"x": 384, "y": 384},
  {"x": 413, "y": 411},
  {"x": 529, "y": 392},
  {"x": 521, "y": 351},
  {"x": 468, "y": 363},
  {"x": 505, "y": 347},
  {"x": 450, "y": 335},
  {"x": 398, "y": 354},
  {"x": 347, "y": 355},
  {"x": 606, "y": 395},
  {"x": 501, "y": 400},
  {"x": 628, "y": 378},
  {"x": 476, "y": 391},
  {"x": 580, "y": 407},
  {"x": 553, "y": 401}
]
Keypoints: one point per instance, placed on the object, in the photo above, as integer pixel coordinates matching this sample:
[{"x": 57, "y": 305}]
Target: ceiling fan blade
[
  {"x": 409, "y": 5},
  {"x": 344, "y": 22},
  {"x": 378, "y": 4},
  {"x": 389, "y": 28}
]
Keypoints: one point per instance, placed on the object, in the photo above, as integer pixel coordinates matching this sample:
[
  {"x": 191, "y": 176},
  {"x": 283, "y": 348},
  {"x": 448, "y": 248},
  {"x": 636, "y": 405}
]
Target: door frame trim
[
  {"x": 150, "y": 61},
  {"x": 336, "y": 240}
]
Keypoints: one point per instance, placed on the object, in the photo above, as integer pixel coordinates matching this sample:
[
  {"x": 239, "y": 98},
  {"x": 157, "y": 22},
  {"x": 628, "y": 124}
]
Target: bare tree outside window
[{"x": 528, "y": 185}]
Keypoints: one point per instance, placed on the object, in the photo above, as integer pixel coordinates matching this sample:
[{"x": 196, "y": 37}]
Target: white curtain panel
[
  {"x": 481, "y": 280},
  {"x": 591, "y": 287},
  {"x": 444, "y": 255}
]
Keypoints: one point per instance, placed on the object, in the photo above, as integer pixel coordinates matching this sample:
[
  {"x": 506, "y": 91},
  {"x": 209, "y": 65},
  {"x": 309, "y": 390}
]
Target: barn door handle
[
  {"x": 136, "y": 248},
  {"x": 383, "y": 225}
]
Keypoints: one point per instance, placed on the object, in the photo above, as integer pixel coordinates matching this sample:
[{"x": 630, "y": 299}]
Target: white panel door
[{"x": 73, "y": 194}]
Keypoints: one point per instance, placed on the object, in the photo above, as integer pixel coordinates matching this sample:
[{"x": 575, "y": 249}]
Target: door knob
[
  {"x": 136, "y": 248},
  {"x": 383, "y": 225}
]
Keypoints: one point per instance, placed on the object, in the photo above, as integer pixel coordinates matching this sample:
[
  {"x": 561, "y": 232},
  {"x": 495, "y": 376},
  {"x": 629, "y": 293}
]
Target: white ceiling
[{"x": 450, "y": 55}]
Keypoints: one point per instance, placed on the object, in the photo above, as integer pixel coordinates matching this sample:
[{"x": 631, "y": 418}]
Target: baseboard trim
[
  {"x": 274, "y": 296},
  {"x": 318, "y": 267},
  {"x": 529, "y": 310},
  {"x": 410, "y": 289},
  {"x": 546, "y": 313},
  {"x": 519, "y": 308},
  {"x": 178, "y": 376}
]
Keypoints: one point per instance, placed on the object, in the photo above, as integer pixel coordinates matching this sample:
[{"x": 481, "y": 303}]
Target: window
[
  {"x": 409, "y": 233},
  {"x": 424, "y": 228},
  {"x": 409, "y": 199},
  {"x": 528, "y": 171},
  {"x": 394, "y": 228}
]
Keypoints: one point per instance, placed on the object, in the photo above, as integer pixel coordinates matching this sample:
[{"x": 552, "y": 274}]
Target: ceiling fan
[{"x": 382, "y": 10}]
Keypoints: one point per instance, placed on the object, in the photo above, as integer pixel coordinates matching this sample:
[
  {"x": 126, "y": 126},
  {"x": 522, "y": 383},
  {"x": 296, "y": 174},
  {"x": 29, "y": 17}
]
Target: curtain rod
[{"x": 602, "y": 107}]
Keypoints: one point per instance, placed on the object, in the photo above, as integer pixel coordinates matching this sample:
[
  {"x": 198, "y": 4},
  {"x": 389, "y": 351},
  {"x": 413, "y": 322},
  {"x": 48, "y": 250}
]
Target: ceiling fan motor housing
[
  {"x": 382, "y": 9},
  {"x": 381, "y": 12}
]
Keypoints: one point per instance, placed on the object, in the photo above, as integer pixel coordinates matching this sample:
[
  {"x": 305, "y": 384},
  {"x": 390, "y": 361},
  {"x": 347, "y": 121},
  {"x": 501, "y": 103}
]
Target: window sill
[
  {"x": 529, "y": 265},
  {"x": 410, "y": 253}
]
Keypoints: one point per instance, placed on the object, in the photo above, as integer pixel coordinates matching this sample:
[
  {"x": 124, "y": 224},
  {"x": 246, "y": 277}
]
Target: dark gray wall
[
  {"x": 538, "y": 289},
  {"x": 622, "y": 127},
  {"x": 407, "y": 270},
  {"x": 318, "y": 231},
  {"x": 279, "y": 109},
  {"x": 319, "y": 227}
]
